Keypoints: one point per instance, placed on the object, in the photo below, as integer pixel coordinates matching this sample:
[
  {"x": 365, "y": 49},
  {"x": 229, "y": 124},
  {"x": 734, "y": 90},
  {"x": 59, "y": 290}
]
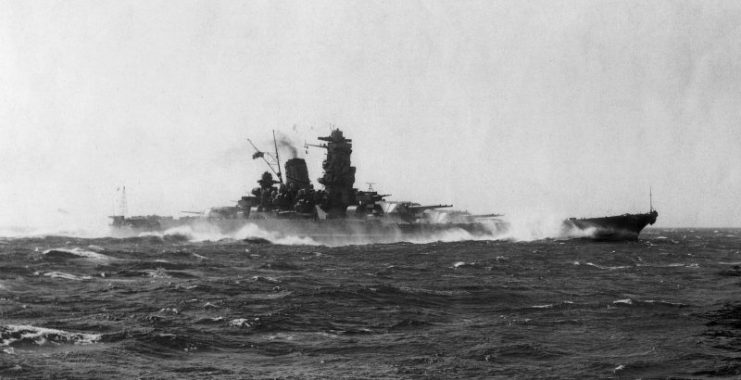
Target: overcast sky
[{"x": 553, "y": 108}]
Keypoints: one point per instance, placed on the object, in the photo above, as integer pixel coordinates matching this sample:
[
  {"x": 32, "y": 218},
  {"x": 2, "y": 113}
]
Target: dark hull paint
[{"x": 611, "y": 228}]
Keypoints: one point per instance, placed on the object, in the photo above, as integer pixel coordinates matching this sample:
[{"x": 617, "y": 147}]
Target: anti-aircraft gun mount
[{"x": 410, "y": 212}]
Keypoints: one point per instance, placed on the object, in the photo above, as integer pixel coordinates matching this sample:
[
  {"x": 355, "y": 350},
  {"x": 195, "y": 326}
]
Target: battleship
[
  {"x": 339, "y": 212},
  {"x": 336, "y": 212}
]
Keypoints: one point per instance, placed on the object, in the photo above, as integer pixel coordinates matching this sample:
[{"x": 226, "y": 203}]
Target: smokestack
[{"x": 297, "y": 173}]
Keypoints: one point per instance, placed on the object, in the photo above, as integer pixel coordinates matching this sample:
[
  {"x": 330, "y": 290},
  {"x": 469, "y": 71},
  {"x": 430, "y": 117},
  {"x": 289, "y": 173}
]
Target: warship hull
[
  {"x": 612, "y": 228},
  {"x": 328, "y": 232}
]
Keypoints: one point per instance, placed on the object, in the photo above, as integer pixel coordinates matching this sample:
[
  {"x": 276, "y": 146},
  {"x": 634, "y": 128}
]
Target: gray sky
[{"x": 539, "y": 108}]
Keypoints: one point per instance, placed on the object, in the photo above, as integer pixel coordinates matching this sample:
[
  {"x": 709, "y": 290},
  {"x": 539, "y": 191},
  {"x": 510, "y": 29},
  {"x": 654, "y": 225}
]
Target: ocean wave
[
  {"x": 76, "y": 253},
  {"x": 671, "y": 265},
  {"x": 446, "y": 293},
  {"x": 239, "y": 322},
  {"x": 546, "y": 306},
  {"x": 666, "y": 303},
  {"x": 553, "y": 305},
  {"x": 623, "y": 301},
  {"x": 210, "y": 320},
  {"x": 67, "y": 276},
  {"x": 608, "y": 267},
  {"x": 603, "y": 267},
  {"x": 159, "y": 273},
  {"x": 27, "y": 335},
  {"x": 648, "y": 302},
  {"x": 463, "y": 264},
  {"x": 163, "y": 344},
  {"x": 268, "y": 279}
]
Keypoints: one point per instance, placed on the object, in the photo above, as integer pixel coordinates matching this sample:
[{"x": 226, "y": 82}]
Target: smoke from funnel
[{"x": 284, "y": 142}]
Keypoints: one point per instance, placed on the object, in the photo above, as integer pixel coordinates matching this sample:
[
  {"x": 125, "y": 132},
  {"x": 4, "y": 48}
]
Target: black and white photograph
[{"x": 370, "y": 189}]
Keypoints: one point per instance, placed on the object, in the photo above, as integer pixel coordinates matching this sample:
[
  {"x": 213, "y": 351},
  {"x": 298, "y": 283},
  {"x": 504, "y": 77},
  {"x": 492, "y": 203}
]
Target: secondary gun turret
[{"x": 410, "y": 212}]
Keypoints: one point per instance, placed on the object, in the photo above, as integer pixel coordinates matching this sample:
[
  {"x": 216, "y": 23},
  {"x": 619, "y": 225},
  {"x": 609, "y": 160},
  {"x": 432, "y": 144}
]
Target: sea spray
[
  {"x": 531, "y": 227},
  {"x": 251, "y": 230},
  {"x": 521, "y": 227}
]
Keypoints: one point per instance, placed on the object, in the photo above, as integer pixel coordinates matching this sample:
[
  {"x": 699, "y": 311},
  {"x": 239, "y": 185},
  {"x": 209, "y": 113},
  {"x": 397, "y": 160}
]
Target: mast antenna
[
  {"x": 650, "y": 200},
  {"x": 124, "y": 205},
  {"x": 260, "y": 154},
  {"x": 277, "y": 158}
]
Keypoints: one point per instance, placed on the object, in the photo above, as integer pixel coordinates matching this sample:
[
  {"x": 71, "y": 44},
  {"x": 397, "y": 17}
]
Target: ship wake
[{"x": 514, "y": 229}]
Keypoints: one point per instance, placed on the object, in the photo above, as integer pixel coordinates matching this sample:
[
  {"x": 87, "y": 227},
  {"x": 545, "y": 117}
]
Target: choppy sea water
[{"x": 668, "y": 305}]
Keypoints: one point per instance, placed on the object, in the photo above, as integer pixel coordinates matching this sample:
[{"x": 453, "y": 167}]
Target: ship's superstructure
[
  {"x": 297, "y": 197},
  {"x": 339, "y": 175}
]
